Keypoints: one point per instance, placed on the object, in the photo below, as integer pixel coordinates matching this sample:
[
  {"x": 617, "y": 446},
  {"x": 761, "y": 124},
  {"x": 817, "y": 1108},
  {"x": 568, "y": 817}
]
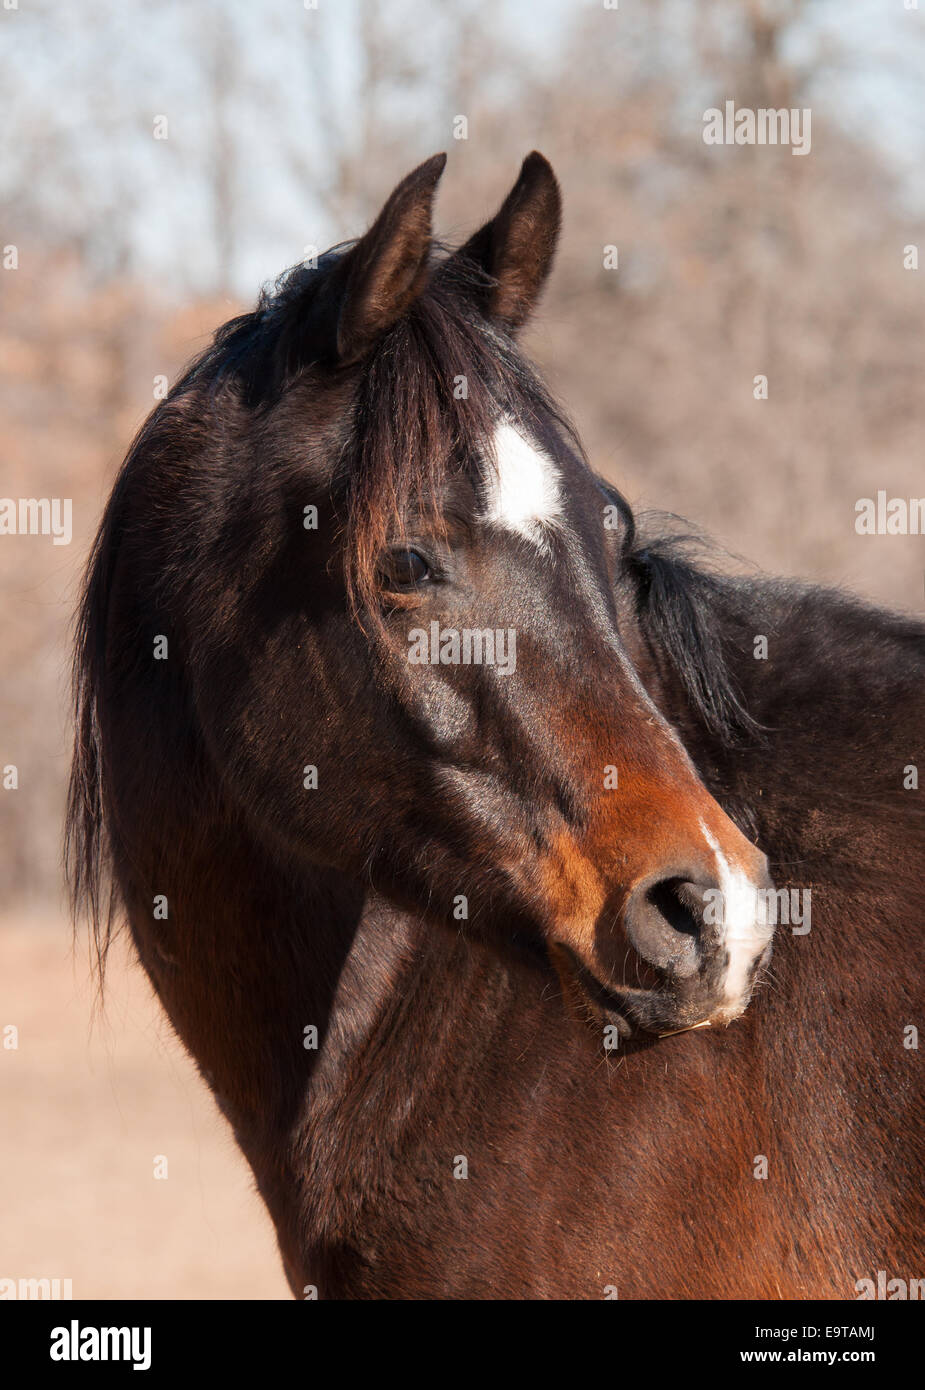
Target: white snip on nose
[{"x": 745, "y": 934}]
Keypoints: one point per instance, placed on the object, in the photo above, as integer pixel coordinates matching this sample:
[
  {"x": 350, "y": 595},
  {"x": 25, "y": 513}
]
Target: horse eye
[{"x": 404, "y": 569}]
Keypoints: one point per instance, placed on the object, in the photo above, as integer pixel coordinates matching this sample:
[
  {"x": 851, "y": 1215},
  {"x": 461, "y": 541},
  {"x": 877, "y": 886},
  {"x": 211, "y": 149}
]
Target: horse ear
[
  {"x": 387, "y": 269},
  {"x": 517, "y": 246}
]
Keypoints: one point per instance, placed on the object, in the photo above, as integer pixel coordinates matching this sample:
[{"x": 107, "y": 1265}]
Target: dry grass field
[{"x": 89, "y": 1099}]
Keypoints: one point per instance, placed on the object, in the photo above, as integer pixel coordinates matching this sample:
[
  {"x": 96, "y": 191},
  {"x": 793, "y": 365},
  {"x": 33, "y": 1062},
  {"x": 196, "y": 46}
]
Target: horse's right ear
[
  {"x": 515, "y": 249},
  {"x": 381, "y": 276}
]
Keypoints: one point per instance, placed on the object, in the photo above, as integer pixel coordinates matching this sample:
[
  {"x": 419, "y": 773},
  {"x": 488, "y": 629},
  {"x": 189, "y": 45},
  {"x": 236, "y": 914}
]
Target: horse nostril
[
  {"x": 680, "y": 903},
  {"x": 666, "y": 922}
]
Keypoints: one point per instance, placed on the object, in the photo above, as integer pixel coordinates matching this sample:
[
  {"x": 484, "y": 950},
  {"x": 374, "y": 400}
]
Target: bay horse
[{"x": 419, "y": 772}]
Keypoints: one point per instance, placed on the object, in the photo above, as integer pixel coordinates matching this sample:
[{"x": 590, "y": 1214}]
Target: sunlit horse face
[{"x": 397, "y": 579}]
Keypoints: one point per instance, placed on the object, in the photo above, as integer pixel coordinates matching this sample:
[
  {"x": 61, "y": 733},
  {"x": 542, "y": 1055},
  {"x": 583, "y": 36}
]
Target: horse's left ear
[
  {"x": 517, "y": 246},
  {"x": 387, "y": 269}
]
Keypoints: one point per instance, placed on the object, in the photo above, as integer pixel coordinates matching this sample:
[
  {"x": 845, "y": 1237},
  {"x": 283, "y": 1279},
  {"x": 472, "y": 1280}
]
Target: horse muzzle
[{"x": 699, "y": 945}]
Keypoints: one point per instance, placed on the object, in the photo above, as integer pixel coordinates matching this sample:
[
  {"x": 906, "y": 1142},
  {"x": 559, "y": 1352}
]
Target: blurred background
[{"x": 158, "y": 163}]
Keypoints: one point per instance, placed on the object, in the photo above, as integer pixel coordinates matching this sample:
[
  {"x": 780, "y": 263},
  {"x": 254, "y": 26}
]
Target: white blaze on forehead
[
  {"x": 522, "y": 489},
  {"x": 745, "y": 933}
]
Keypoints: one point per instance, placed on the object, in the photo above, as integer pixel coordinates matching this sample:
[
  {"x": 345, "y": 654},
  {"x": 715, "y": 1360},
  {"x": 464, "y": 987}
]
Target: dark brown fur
[{"x": 441, "y": 1041}]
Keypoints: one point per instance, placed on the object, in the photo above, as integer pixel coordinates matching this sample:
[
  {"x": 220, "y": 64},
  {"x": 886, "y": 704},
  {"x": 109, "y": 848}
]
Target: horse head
[{"x": 390, "y": 584}]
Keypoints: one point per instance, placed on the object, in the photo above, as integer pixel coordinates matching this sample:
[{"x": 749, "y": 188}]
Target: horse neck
[
  {"x": 822, "y": 790},
  {"x": 306, "y": 999},
  {"x": 259, "y": 947}
]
